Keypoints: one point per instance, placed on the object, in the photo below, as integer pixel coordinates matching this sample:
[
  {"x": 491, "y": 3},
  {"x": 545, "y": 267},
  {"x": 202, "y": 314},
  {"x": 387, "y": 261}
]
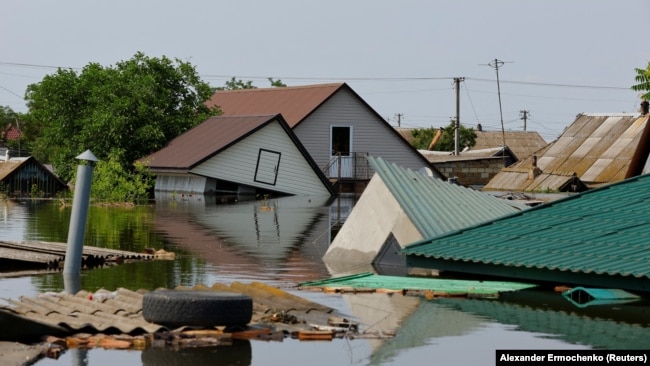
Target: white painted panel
[
  {"x": 371, "y": 135},
  {"x": 238, "y": 163}
]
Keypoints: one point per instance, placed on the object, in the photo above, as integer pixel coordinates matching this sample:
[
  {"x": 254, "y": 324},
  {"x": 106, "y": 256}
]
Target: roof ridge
[{"x": 275, "y": 88}]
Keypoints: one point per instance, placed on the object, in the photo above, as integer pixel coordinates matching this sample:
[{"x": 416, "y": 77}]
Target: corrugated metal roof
[
  {"x": 598, "y": 148},
  {"x": 602, "y": 232},
  {"x": 522, "y": 143},
  {"x": 435, "y": 206},
  {"x": 293, "y": 102},
  {"x": 205, "y": 140},
  {"x": 401, "y": 283}
]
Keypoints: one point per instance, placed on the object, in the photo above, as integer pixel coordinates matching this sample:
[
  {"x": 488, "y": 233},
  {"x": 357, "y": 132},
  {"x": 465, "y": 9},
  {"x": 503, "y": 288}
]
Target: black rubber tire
[{"x": 177, "y": 308}]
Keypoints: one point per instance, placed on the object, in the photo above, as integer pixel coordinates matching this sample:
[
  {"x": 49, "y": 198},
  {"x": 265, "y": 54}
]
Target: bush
[{"x": 113, "y": 183}]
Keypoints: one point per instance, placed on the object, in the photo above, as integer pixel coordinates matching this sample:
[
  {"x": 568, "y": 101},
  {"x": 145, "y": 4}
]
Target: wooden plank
[{"x": 52, "y": 254}]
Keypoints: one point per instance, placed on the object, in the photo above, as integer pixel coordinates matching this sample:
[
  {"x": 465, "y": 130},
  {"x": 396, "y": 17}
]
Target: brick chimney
[
  {"x": 645, "y": 106},
  {"x": 534, "y": 171}
]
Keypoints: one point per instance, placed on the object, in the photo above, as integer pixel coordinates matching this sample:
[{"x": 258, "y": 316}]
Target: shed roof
[
  {"x": 595, "y": 236},
  {"x": 597, "y": 148},
  {"x": 295, "y": 103},
  {"x": 469, "y": 155},
  {"x": 8, "y": 167},
  {"x": 13, "y": 165},
  {"x": 521, "y": 143},
  {"x": 436, "y": 206}
]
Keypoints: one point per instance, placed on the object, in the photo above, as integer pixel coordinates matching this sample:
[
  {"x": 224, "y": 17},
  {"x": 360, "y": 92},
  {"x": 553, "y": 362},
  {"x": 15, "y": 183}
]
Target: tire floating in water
[{"x": 177, "y": 308}]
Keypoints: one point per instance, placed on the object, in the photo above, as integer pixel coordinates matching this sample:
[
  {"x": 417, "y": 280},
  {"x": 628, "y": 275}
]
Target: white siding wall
[
  {"x": 180, "y": 183},
  {"x": 237, "y": 163},
  {"x": 370, "y": 135}
]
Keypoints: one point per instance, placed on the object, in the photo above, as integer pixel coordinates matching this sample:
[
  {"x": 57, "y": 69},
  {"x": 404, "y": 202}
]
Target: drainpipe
[{"x": 76, "y": 231}]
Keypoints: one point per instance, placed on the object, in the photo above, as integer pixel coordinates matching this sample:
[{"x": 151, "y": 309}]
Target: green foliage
[
  {"x": 643, "y": 79},
  {"x": 237, "y": 84},
  {"x": 277, "y": 83},
  {"x": 112, "y": 183},
  {"x": 7, "y": 116},
  {"x": 129, "y": 110},
  {"x": 422, "y": 138}
]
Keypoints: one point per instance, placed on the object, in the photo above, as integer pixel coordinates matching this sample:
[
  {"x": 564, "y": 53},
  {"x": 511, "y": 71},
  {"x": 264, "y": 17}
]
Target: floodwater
[{"x": 281, "y": 242}]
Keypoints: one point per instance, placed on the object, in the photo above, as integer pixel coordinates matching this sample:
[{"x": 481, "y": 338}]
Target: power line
[
  {"x": 313, "y": 78},
  {"x": 554, "y": 84}
]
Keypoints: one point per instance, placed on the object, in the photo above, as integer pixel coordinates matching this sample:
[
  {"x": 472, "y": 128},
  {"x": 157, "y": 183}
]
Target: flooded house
[
  {"x": 401, "y": 206},
  {"x": 334, "y": 124},
  {"x": 475, "y": 166},
  {"x": 27, "y": 177},
  {"x": 597, "y": 238},
  {"x": 254, "y": 155},
  {"x": 596, "y": 149}
]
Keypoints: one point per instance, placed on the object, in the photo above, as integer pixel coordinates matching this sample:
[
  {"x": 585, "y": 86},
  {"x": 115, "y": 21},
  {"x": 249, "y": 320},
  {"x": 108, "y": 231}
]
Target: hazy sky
[{"x": 560, "y": 57}]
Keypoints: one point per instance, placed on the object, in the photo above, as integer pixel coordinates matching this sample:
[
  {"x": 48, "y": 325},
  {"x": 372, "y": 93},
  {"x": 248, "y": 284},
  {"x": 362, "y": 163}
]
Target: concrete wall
[{"x": 471, "y": 172}]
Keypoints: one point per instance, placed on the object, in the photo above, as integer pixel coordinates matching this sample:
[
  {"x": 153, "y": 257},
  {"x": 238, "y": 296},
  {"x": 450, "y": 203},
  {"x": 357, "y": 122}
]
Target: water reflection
[
  {"x": 281, "y": 242},
  {"x": 237, "y": 353}
]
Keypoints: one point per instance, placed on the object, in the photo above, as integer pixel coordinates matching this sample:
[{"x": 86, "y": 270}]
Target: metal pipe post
[{"x": 76, "y": 231}]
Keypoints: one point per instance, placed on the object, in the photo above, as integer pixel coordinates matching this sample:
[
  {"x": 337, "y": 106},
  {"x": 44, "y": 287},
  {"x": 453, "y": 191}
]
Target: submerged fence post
[{"x": 77, "y": 229}]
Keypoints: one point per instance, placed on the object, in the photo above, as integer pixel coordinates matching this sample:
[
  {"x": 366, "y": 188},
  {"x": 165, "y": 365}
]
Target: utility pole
[
  {"x": 524, "y": 116},
  {"x": 399, "y": 119},
  {"x": 496, "y": 64},
  {"x": 457, "y": 124}
]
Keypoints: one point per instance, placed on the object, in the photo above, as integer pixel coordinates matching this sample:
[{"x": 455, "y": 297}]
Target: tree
[
  {"x": 124, "y": 112},
  {"x": 238, "y": 84},
  {"x": 643, "y": 79},
  {"x": 277, "y": 83},
  {"x": 111, "y": 183},
  {"x": 422, "y": 138},
  {"x": 7, "y": 119}
]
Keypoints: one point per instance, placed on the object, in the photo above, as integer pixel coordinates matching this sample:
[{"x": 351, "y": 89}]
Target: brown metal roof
[
  {"x": 596, "y": 148},
  {"x": 522, "y": 143},
  {"x": 293, "y": 102},
  {"x": 205, "y": 140}
]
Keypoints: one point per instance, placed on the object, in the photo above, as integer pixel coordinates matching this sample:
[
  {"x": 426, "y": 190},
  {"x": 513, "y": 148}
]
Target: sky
[{"x": 555, "y": 58}]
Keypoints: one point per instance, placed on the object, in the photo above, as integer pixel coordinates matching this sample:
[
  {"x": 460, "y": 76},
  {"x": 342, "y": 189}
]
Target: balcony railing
[{"x": 353, "y": 166}]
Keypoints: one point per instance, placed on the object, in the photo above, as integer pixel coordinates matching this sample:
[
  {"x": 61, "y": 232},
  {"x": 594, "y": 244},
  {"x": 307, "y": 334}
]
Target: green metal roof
[
  {"x": 368, "y": 280},
  {"x": 604, "y": 233},
  {"x": 436, "y": 206}
]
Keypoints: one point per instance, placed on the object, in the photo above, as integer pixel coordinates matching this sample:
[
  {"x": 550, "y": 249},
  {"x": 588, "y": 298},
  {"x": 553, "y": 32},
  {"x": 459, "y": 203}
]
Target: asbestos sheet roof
[
  {"x": 596, "y": 234},
  {"x": 295, "y": 103},
  {"x": 8, "y": 167},
  {"x": 206, "y": 140},
  {"x": 522, "y": 143},
  {"x": 597, "y": 148},
  {"x": 436, "y": 206},
  {"x": 122, "y": 313},
  {"x": 467, "y": 155}
]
